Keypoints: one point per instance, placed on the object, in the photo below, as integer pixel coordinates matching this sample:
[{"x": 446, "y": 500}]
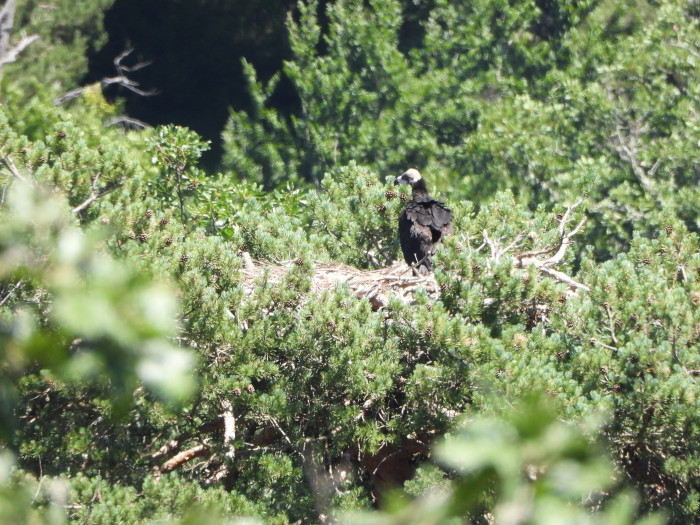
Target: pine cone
[
  {"x": 381, "y": 208},
  {"x": 251, "y": 389},
  {"x": 604, "y": 370},
  {"x": 42, "y": 160},
  {"x": 289, "y": 303},
  {"x": 131, "y": 235},
  {"x": 608, "y": 287},
  {"x": 369, "y": 183},
  {"x": 143, "y": 237},
  {"x": 299, "y": 262},
  {"x": 149, "y": 214},
  {"x": 330, "y": 325},
  {"x": 236, "y": 391},
  {"x": 646, "y": 261},
  {"x": 164, "y": 221},
  {"x": 428, "y": 333},
  {"x": 593, "y": 340},
  {"x": 184, "y": 258},
  {"x": 617, "y": 388},
  {"x": 476, "y": 268},
  {"x": 669, "y": 229},
  {"x": 390, "y": 194},
  {"x": 168, "y": 241},
  {"x": 560, "y": 356},
  {"x": 61, "y": 134},
  {"x": 404, "y": 197}
]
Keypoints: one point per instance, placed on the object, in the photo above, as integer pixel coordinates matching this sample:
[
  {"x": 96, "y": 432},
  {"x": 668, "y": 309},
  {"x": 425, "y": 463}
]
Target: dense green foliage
[{"x": 145, "y": 377}]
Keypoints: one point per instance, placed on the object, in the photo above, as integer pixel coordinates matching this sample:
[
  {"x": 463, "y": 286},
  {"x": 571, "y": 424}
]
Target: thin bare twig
[
  {"x": 127, "y": 122},
  {"x": 97, "y": 496},
  {"x": 371, "y": 257},
  {"x": 627, "y": 151},
  {"x": 562, "y": 277},
  {"x": 41, "y": 480},
  {"x": 544, "y": 266},
  {"x": 9, "y": 294},
  {"x": 10, "y": 56},
  {"x": 95, "y": 194},
  {"x": 611, "y": 323},
  {"x": 120, "y": 79},
  {"x": 284, "y": 435},
  {"x": 10, "y": 165},
  {"x": 7, "y": 21},
  {"x": 685, "y": 47}
]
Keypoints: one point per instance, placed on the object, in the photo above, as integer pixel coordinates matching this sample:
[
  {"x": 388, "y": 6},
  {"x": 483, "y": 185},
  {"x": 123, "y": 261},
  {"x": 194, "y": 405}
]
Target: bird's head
[{"x": 411, "y": 176}]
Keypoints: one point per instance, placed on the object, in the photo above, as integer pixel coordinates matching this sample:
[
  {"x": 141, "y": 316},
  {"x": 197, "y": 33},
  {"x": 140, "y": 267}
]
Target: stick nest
[{"x": 375, "y": 285}]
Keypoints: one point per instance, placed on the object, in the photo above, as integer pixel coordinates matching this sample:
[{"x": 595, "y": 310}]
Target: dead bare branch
[
  {"x": 11, "y": 55},
  {"x": 545, "y": 266},
  {"x": 127, "y": 122},
  {"x": 120, "y": 79},
  {"x": 611, "y": 323},
  {"x": 10, "y": 165},
  {"x": 94, "y": 195},
  {"x": 229, "y": 428},
  {"x": 183, "y": 457},
  {"x": 12, "y": 291}
]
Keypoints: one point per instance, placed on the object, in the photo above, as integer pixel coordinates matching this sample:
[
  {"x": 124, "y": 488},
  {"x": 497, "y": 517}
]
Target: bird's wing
[{"x": 433, "y": 214}]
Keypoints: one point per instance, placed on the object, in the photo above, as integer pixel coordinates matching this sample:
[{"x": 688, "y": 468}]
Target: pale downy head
[{"x": 411, "y": 176}]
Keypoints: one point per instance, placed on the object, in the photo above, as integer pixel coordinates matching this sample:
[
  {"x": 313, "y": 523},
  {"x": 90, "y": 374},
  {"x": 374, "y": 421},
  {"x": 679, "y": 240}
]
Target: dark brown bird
[{"x": 422, "y": 224}]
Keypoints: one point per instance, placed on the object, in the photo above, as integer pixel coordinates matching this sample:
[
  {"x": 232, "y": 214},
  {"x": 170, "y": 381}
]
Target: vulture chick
[{"x": 422, "y": 224}]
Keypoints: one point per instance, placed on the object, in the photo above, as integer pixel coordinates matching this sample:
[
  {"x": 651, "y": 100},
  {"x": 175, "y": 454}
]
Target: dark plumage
[{"x": 422, "y": 224}]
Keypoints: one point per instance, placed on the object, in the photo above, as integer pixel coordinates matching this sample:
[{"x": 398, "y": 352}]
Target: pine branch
[{"x": 183, "y": 457}]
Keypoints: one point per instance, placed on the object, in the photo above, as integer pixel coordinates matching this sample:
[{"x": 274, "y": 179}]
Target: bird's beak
[{"x": 400, "y": 180}]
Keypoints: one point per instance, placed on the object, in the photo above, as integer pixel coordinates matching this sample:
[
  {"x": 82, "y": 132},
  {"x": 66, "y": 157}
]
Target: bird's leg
[{"x": 417, "y": 264}]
